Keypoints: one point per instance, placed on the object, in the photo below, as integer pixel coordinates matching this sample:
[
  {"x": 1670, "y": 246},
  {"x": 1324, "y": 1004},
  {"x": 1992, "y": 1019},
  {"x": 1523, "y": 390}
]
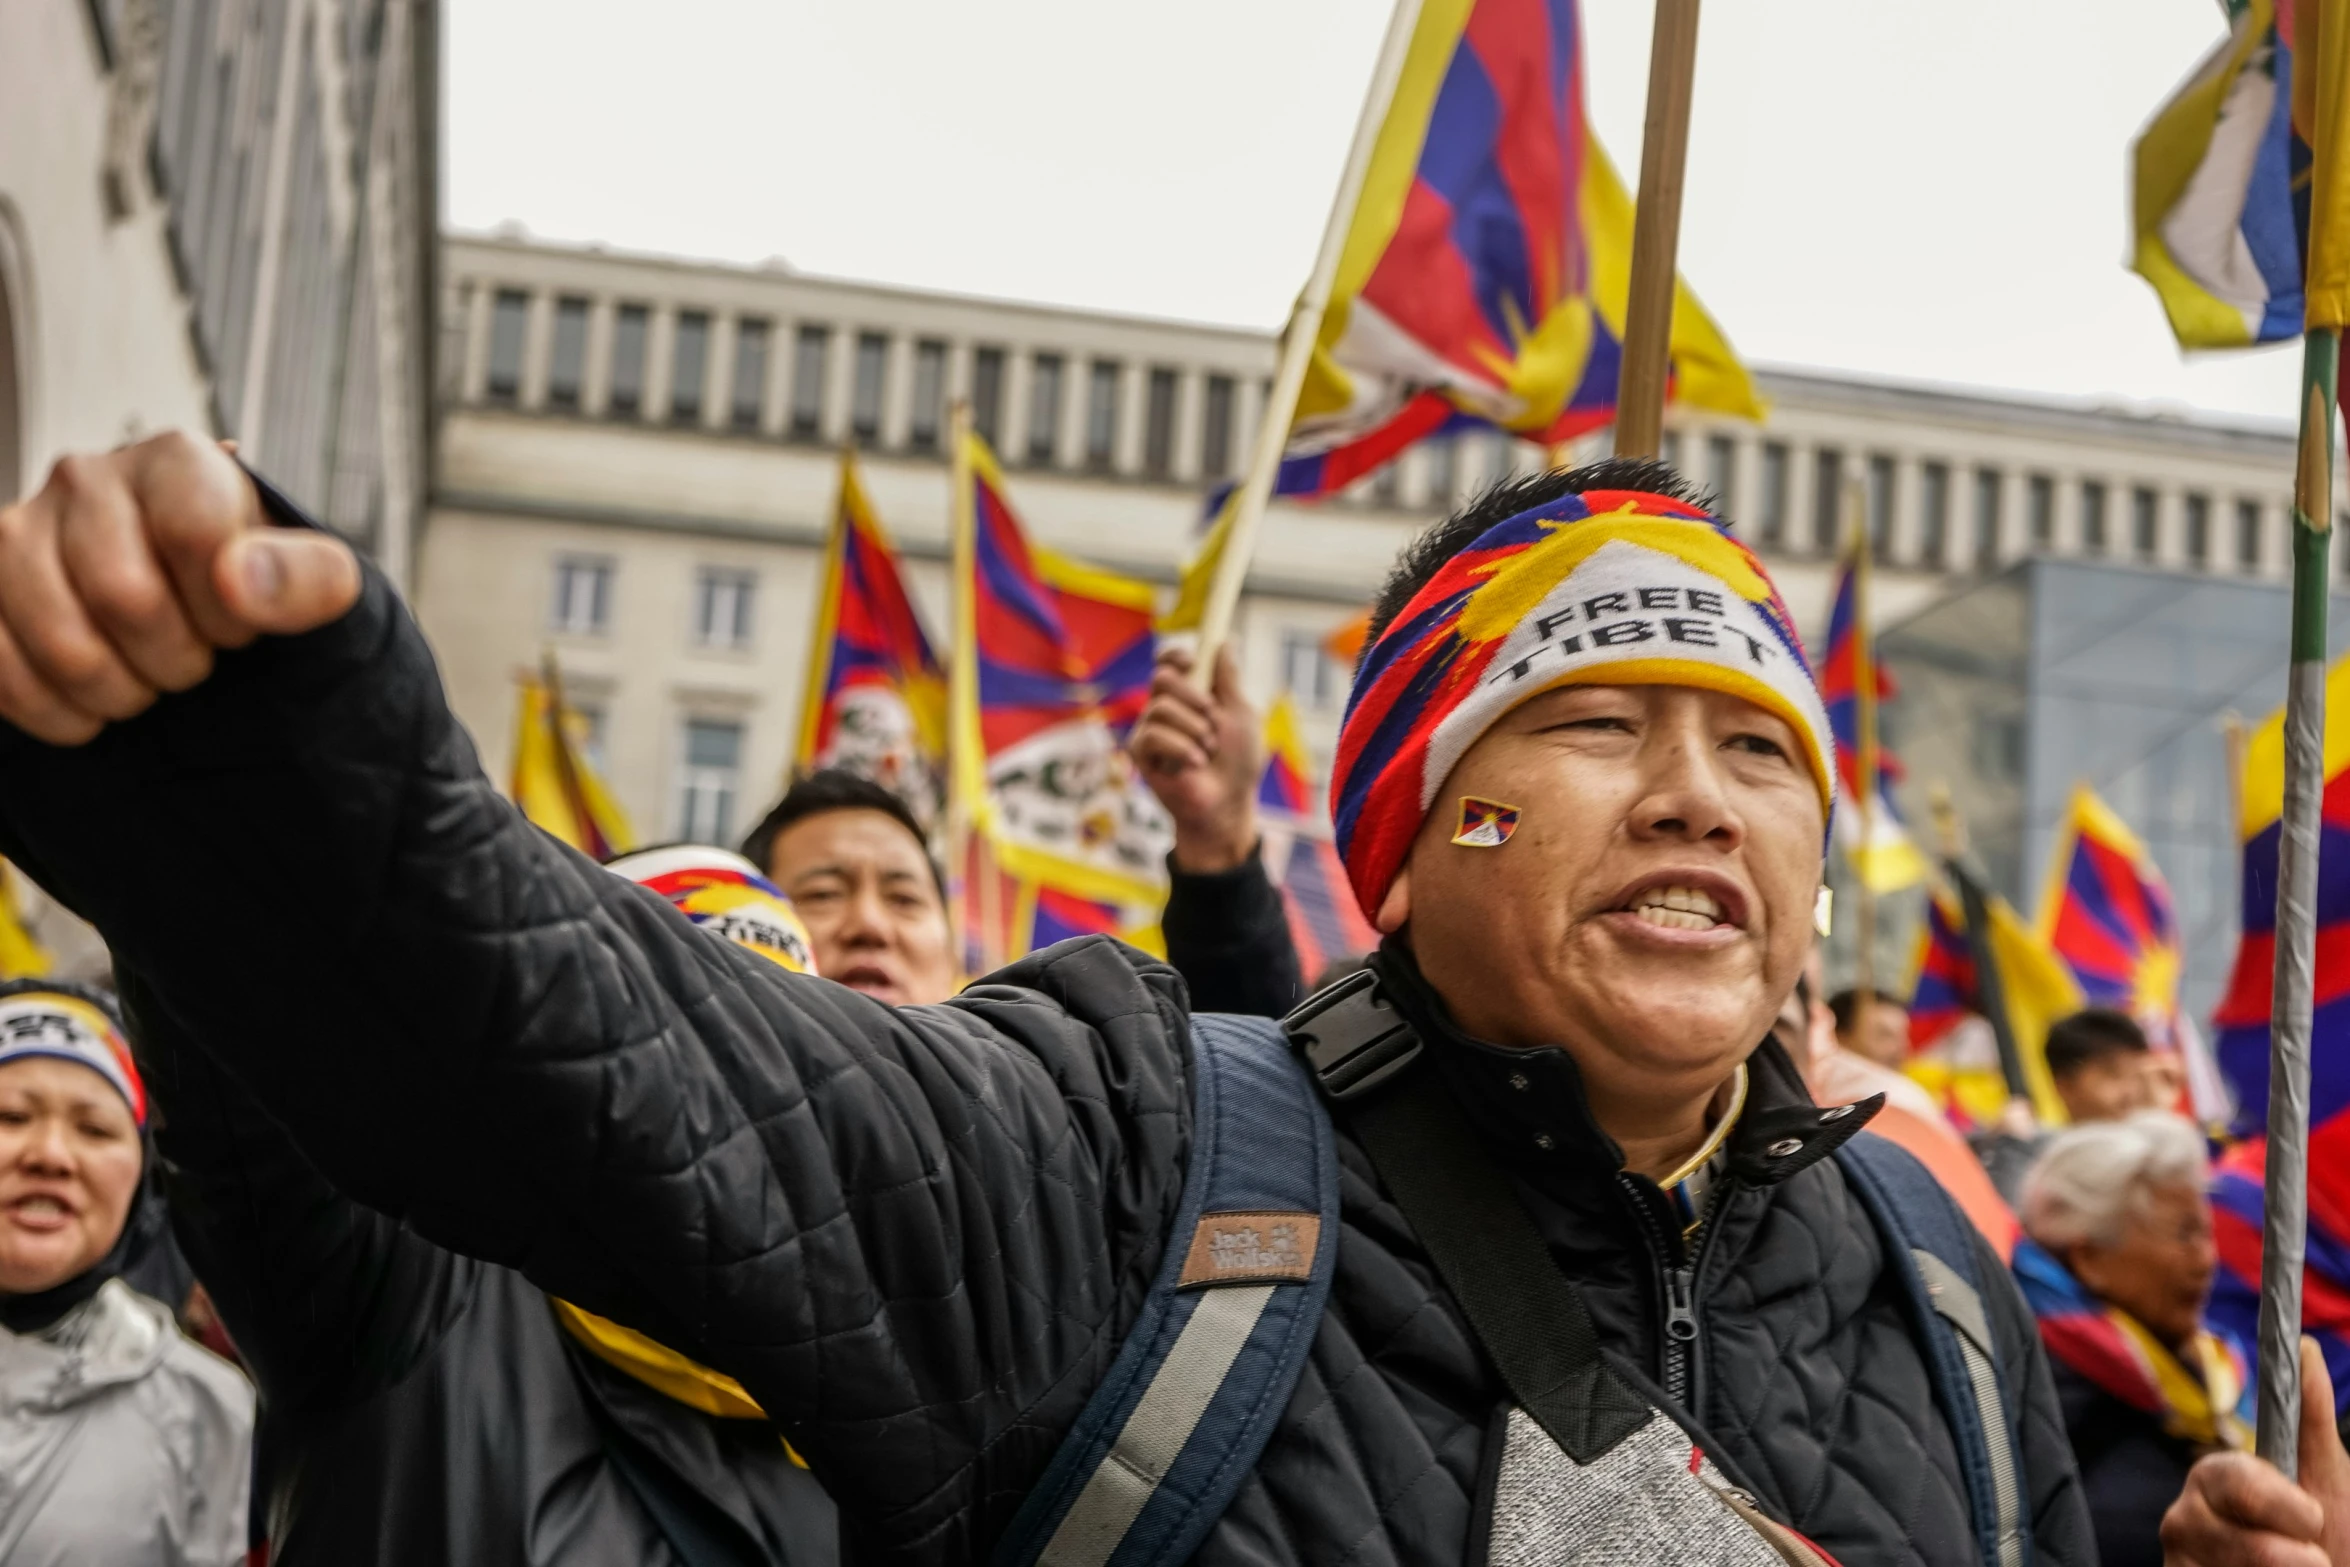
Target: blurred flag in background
[{"x": 876, "y": 699}]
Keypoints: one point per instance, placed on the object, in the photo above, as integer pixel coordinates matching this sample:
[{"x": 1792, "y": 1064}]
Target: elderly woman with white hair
[{"x": 2117, "y": 1264}]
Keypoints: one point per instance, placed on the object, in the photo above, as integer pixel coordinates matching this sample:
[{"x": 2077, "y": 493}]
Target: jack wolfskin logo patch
[{"x": 1251, "y": 1248}]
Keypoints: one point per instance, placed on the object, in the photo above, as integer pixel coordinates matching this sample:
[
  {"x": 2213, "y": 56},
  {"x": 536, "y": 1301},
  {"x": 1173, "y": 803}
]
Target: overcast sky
[{"x": 1927, "y": 192}]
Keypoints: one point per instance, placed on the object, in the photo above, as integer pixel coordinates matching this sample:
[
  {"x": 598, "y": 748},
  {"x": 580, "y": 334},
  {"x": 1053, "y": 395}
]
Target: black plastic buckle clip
[{"x": 1352, "y": 1038}]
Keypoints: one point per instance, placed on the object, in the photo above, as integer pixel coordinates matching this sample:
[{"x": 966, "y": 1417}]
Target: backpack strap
[
  {"x": 1166, "y": 1440},
  {"x": 1931, "y": 1246}
]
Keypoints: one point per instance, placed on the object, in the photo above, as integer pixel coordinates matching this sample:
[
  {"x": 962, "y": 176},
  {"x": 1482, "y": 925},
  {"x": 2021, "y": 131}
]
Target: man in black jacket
[{"x": 918, "y": 1235}]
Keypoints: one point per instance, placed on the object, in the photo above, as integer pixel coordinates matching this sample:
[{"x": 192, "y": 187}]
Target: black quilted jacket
[{"x": 917, "y": 1236}]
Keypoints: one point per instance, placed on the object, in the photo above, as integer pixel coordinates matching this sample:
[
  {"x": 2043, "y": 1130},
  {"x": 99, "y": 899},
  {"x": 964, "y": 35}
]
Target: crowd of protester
[{"x": 424, "y": 1350}]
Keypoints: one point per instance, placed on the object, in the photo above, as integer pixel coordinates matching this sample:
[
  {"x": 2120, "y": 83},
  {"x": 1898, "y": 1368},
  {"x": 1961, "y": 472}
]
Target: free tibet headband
[{"x": 1609, "y": 587}]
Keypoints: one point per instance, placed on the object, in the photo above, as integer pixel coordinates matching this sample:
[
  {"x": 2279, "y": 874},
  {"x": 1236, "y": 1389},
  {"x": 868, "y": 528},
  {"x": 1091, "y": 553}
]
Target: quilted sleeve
[
  {"x": 916, "y": 1236},
  {"x": 329, "y": 1302},
  {"x": 2052, "y": 1484},
  {"x": 1228, "y": 936}
]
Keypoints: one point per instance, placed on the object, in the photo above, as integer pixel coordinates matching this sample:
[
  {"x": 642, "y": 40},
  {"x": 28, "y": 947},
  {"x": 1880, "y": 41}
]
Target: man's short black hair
[
  {"x": 1425, "y": 556},
  {"x": 835, "y": 789},
  {"x": 2091, "y": 1035},
  {"x": 1846, "y": 1002}
]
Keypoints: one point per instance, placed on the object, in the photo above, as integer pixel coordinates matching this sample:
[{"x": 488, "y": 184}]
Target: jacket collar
[{"x": 1529, "y": 1107}]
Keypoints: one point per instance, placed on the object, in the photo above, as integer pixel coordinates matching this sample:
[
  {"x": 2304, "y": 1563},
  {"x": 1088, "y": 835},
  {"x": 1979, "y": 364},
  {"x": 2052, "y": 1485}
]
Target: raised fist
[
  {"x": 1199, "y": 751},
  {"x": 120, "y": 578}
]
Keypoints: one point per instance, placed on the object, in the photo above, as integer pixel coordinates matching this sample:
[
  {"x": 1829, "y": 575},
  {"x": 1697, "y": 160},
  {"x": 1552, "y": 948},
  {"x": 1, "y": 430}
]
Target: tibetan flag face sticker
[{"x": 1485, "y": 824}]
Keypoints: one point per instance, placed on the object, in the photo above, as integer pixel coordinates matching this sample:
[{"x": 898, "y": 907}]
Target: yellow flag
[
  {"x": 554, "y": 783},
  {"x": 1199, "y": 573},
  {"x": 2321, "y": 111},
  {"x": 21, "y": 956},
  {"x": 2039, "y": 990}
]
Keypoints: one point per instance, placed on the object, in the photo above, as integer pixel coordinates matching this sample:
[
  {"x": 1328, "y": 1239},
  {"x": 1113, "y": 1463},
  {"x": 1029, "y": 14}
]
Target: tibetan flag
[
  {"x": 21, "y": 957},
  {"x": 2243, "y": 1014},
  {"x": 1058, "y": 658},
  {"x": 1485, "y": 267},
  {"x": 1325, "y": 925},
  {"x": 876, "y": 700},
  {"x": 1942, "y": 993},
  {"x": 2236, "y": 1187},
  {"x": 2106, "y": 912},
  {"x": 2035, "y": 989},
  {"x": 1888, "y": 860},
  {"x": 553, "y": 781},
  {"x": 2218, "y": 222}
]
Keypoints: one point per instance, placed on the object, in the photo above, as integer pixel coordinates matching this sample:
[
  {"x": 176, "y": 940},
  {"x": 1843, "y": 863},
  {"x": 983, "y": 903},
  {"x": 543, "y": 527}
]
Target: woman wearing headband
[{"x": 122, "y": 1443}]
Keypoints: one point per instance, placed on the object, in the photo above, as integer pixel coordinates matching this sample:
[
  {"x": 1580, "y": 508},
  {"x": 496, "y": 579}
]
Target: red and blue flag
[
  {"x": 1486, "y": 264},
  {"x": 1944, "y": 993},
  {"x": 1324, "y": 924},
  {"x": 2107, "y": 913},
  {"x": 875, "y": 701},
  {"x": 1052, "y": 667},
  {"x": 1886, "y": 858},
  {"x": 2242, "y": 1021}
]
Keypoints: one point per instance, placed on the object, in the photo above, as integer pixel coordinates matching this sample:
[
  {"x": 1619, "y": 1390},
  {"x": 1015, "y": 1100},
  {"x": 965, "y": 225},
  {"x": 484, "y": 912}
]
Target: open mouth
[
  {"x": 40, "y": 1210},
  {"x": 1678, "y": 908}
]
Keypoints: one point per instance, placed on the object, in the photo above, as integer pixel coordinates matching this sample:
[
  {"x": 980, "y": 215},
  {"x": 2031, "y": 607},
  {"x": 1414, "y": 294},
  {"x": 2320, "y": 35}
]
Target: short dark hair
[
  {"x": 1425, "y": 556},
  {"x": 835, "y": 789},
  {"x": 1845, "y": 1004},
  {"x": 2091, "y": 1035}
]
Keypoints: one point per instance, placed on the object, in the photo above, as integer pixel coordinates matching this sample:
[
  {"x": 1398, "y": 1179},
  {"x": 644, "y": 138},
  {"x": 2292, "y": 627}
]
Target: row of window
[
  {"x": 1959, "y": 510},
  {"x": 723, "y": 600},
  {"x": 807, "y": 387}
]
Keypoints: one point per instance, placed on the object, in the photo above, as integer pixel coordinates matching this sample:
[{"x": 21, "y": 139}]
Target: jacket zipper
[{"x": 1677, "y": 1284}]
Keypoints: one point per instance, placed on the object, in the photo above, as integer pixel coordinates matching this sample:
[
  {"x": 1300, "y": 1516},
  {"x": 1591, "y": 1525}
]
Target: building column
[
  {"x": 718, "y": 371},
  {"x": 660, "y": 354},
  {"x": 595, "y": 370},
  {"x": 775, "y": 398},
  {"x": 1013, "y": 430},
  {"x": 1190, "y": 399},
  {"x": 477, "y": 342},
  {"x": 840, "y": 384},
  {"x": 1905, "y": 539},
  {"x": 1076, "y": 391},
  {"x": 897, "y": 391},
  {"x": 1133, "y": 395},
  {"x": 538, "y": 336},
  {"x": 1802, "y": 461}
]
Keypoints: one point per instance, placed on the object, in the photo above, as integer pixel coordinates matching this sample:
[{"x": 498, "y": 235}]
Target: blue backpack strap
[
  {"x": 1931, "y": 1246},
  {"x": 1165, "y": 1442}
]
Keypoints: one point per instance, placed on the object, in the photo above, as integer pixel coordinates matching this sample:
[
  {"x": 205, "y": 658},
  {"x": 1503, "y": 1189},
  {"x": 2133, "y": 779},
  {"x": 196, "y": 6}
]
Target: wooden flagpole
[
  {"x": 1297, "y": 344},
  {"x": 1656, "y": 231},
  {"x": 962, "y": 671}
]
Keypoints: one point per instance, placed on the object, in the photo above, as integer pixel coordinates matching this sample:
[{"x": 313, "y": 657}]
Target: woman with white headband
[{"x": 122, "y": 1443}]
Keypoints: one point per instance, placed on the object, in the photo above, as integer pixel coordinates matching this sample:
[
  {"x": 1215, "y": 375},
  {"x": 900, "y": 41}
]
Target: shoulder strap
[
  {"x": 1166, "y": 1440},
  {"x": 1930, "y": 1244}
]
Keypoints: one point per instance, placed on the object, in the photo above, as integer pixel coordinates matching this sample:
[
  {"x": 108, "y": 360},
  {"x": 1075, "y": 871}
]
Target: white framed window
[
  {"x": 1309, "y": 673},
  {"x": 709, "y": 778},
  {"x": 583, "y": 596},
  {"x": 722, "y": 607}
]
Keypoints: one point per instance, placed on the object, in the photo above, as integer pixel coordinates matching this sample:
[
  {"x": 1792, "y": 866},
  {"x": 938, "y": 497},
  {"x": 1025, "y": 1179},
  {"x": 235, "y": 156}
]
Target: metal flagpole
[
  {"x": 1656, "y": 231},
  {"x": 2285, "y": 1203},
  {"x": 1297, "y": 345},
  {"x": 2321, "y": 108}
]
